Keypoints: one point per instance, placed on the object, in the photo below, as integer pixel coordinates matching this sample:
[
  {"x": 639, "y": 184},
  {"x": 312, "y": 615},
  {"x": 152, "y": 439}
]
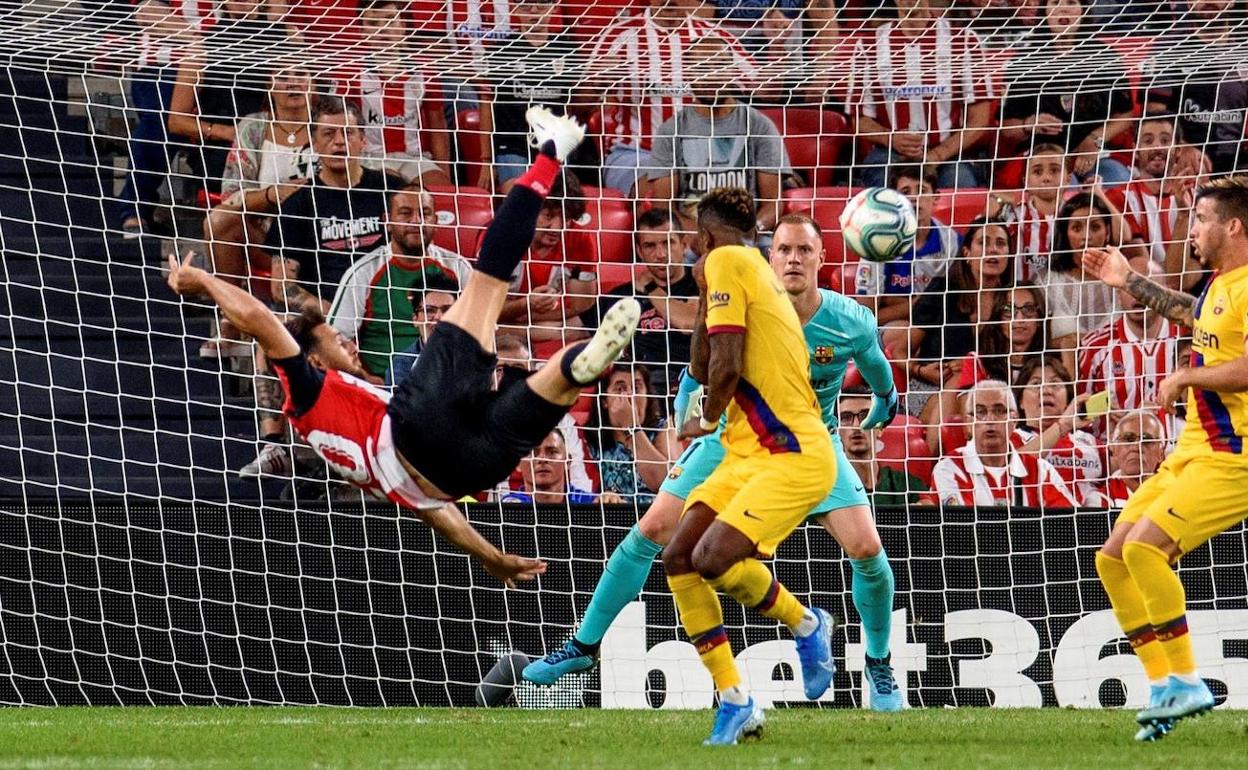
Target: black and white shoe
[
  {"x": 612, "y": 338},
  {"x": 546, "y": 126}
]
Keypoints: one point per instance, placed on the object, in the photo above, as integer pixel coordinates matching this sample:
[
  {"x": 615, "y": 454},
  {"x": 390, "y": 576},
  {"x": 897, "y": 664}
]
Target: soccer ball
[{"x": 879, "y": 224}]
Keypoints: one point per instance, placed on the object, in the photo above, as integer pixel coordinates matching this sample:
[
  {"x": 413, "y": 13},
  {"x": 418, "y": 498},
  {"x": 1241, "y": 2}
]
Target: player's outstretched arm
[
  {"x": 448, "y": 522},
  {"x": 1111, "y": 266},
  {"x": 248, "y": 314},
  {"x": 878, "y": 374}
]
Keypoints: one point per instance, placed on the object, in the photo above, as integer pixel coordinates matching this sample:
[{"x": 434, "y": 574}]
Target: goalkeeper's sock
[
  {"x": 508, "y": 237},
  {"x": 1128, "y": 603},
  {"x": 751, "y": 584},
  {"x": 540, "y": 177},
  {"x": 1165, "y": 601},
  {"x": 873, "y": 586},
  {"x": 621, "y": 581},
  {"x": 703, "y": 620}
]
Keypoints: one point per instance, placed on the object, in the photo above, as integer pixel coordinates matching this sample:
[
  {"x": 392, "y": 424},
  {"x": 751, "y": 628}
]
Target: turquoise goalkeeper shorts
[{"x": 701, "y": 458}]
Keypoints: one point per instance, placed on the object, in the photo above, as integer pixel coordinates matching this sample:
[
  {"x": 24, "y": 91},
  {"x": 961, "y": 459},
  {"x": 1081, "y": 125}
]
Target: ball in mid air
[{"x": 879, "y": 224}]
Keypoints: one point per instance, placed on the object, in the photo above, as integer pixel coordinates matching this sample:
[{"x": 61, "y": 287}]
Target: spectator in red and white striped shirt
[
  {"x": 1133, "y": 353},
  {"x": 1047, "y": 169},
  {"x": 1163, "y": 166},
  {"x": 1051, "y": 426},
  {"x": 923, "y": 94},
  {"x": 405, "y": 128},
  {"x": 1136, "y": 449},
  {"x": 989, "y": 470},
  {"x": 640, "y": 69}
]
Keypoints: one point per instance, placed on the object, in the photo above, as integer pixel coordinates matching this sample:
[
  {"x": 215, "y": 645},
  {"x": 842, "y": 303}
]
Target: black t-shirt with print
[
  {"x": 326, "y": 228},
  {"x": 524, "y": 75},
  {"x": 655, "y": 341}
]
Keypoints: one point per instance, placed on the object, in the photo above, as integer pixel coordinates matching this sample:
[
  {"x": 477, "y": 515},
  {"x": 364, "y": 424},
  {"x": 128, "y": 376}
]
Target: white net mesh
[{"x": 167, "y": 538}]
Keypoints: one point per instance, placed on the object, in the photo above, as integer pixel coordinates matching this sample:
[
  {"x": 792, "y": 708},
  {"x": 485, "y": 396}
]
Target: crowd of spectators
[{"x": 338, "y": 154}]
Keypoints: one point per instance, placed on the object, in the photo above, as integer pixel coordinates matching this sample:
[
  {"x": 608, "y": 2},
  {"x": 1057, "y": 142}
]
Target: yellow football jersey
[
  {"x": 1218, "y": 422},
  {"x": 774, "y": 409}
]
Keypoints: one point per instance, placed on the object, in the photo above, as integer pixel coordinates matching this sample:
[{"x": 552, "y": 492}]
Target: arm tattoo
[
  {"x": 1175, "y": 305},
  {"x": 269, "y": 395}
]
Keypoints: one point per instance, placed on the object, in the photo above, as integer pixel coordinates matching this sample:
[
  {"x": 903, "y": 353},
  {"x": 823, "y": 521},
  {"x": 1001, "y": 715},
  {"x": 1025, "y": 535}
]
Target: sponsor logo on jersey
[
  {"x": 823, "y": 354},
  {"x": 1201, "y": 338},
  {"x": 898, "y": 93},
  {"x": 719, "y": 298}
]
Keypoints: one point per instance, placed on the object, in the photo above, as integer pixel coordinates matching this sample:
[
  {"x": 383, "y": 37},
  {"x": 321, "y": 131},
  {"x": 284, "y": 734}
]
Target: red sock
[{"x": 541, "y": 175}]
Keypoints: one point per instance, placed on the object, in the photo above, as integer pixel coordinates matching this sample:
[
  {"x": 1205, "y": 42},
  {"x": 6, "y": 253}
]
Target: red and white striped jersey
[
  {"x": 1033, "y": 236},
  {"x": 349, "y": 428},
  {"x": 1116, "y": 358},
  {"x": 922, "y": 84},
  {"x": 1027, "y": 480},
  {"x": 392, "y": 107},
  {"x": 1112, "y": 494},
  {"x": 642, "y": 65},
  {"x": 1152, "y": 217},
  {"x": 1076, "y": 457}
]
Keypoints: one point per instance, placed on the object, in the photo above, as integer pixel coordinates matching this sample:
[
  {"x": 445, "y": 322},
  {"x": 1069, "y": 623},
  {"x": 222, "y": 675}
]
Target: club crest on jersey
[
  {"x": 675, "y": 473},
  {"x": 823, "y": 354},
  {"x": 1119, "y": 369},
  {"x": 1220, "y": 306}
]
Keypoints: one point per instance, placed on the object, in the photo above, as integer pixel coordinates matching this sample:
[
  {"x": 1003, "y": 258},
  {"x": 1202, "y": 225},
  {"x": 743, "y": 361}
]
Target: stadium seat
[
  {"x": 613, "y": 274},
  {"x": 953, "y": 433},
  {"x": 828, "y": 215},
  {"x": 797, "y": 199},
  {"x": 612, "y": 226},
  {"x": 901, "y": 446},
  {"x": 463, "y": 214},
  {"x": 609, "y": 198},
  {"x": 468, "y": 138},
  {"x": 958, "y": 208},
  {"x": 813, "y": 140}
]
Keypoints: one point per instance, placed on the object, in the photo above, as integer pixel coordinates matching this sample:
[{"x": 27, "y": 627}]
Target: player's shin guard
[
  {"x": 508, "y": 237},
  {"x": 1165, "y": 601},
  {"x": 621, "y": 581},
  {"x": 873, "y": 587},
  {"x": 703, "y": 620},
  {"x": 1128, "y": 603},
  {"x": 751, "y": 584}
]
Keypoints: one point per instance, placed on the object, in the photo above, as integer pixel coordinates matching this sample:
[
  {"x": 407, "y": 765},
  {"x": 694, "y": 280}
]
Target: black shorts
[{"x": 451, "y": 426}]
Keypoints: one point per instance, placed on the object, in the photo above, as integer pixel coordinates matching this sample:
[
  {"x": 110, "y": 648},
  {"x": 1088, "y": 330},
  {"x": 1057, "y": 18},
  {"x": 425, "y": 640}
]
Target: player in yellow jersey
[
  {"x": 1199, "y": 491},
  {"x": 749, "y": 349}
]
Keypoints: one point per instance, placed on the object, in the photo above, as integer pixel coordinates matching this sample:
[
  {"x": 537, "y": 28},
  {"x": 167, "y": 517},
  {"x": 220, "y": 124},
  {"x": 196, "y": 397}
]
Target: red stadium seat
[
  {"x": 953, "y": 433},
  {"x": 613, "y": 274},
  {"x": 470, "y": 140},
  {"x": 463, "y": 214},
  {"x": 608, "y": 197},
  {"x": 958, "y": 208},
  {"x": 802, "y": 198},
  {"x": 813, "y": 139},
  {"x": 828, "y": 215},
  {"x": 612, "y": 225}
]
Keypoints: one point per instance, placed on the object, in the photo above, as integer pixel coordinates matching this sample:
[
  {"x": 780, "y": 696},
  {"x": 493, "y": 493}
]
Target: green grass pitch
[{"x": 202, "y": 737}]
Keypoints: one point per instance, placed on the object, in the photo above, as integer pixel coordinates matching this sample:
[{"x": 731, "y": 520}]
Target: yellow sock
[
  {"x": 751, "y": 584},
  {"x": 1128, "y": 604},
  {"x": 703, "y": 620},
  {"x": 1166, "y": 603}
]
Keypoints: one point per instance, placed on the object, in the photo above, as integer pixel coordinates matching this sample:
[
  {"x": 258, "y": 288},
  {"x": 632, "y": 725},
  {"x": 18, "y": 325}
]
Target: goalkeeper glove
[
  {"x": 883, "y": 411},
  {"x": 688, "y": 398}
]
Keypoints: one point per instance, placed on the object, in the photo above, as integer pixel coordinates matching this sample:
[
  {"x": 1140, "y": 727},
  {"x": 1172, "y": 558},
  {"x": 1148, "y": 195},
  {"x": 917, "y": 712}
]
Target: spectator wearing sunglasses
[{"x": 885, "y": 485}]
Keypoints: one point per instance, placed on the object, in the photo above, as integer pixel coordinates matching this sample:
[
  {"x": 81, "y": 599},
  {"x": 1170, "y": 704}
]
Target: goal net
[{"x": 166, "y": 538}]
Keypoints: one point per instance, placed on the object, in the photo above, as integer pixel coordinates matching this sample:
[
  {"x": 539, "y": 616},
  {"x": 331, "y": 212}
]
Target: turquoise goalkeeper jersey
[{"x": 840, "y": 331}]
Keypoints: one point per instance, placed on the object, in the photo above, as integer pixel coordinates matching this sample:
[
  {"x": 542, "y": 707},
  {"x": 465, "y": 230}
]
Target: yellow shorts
[
  {"x": 766, "y": 497},
  {"x": 1192, "y": 497}
]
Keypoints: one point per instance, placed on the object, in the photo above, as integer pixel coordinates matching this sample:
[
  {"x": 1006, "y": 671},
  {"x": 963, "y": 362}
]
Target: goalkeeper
[
  {"x": 445, "y": 433},
  {"x": 837, "y": 330}
]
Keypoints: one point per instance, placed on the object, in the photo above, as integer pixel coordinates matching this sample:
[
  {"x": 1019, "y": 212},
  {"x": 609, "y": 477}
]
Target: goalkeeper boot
[
  {"x": 885, "y": 694},
  {"x": 545, "y": 126},
  {"x": 568, "y": 659},
  {"x": 1155, "y": 731},
  {"x": 273, "y": 460},
  {"x": 609, "y": 341},
  {"x": 734, "y": 723},
  {"x": 1179, "y": 701},
  {"x": 815, "y": 653}
]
